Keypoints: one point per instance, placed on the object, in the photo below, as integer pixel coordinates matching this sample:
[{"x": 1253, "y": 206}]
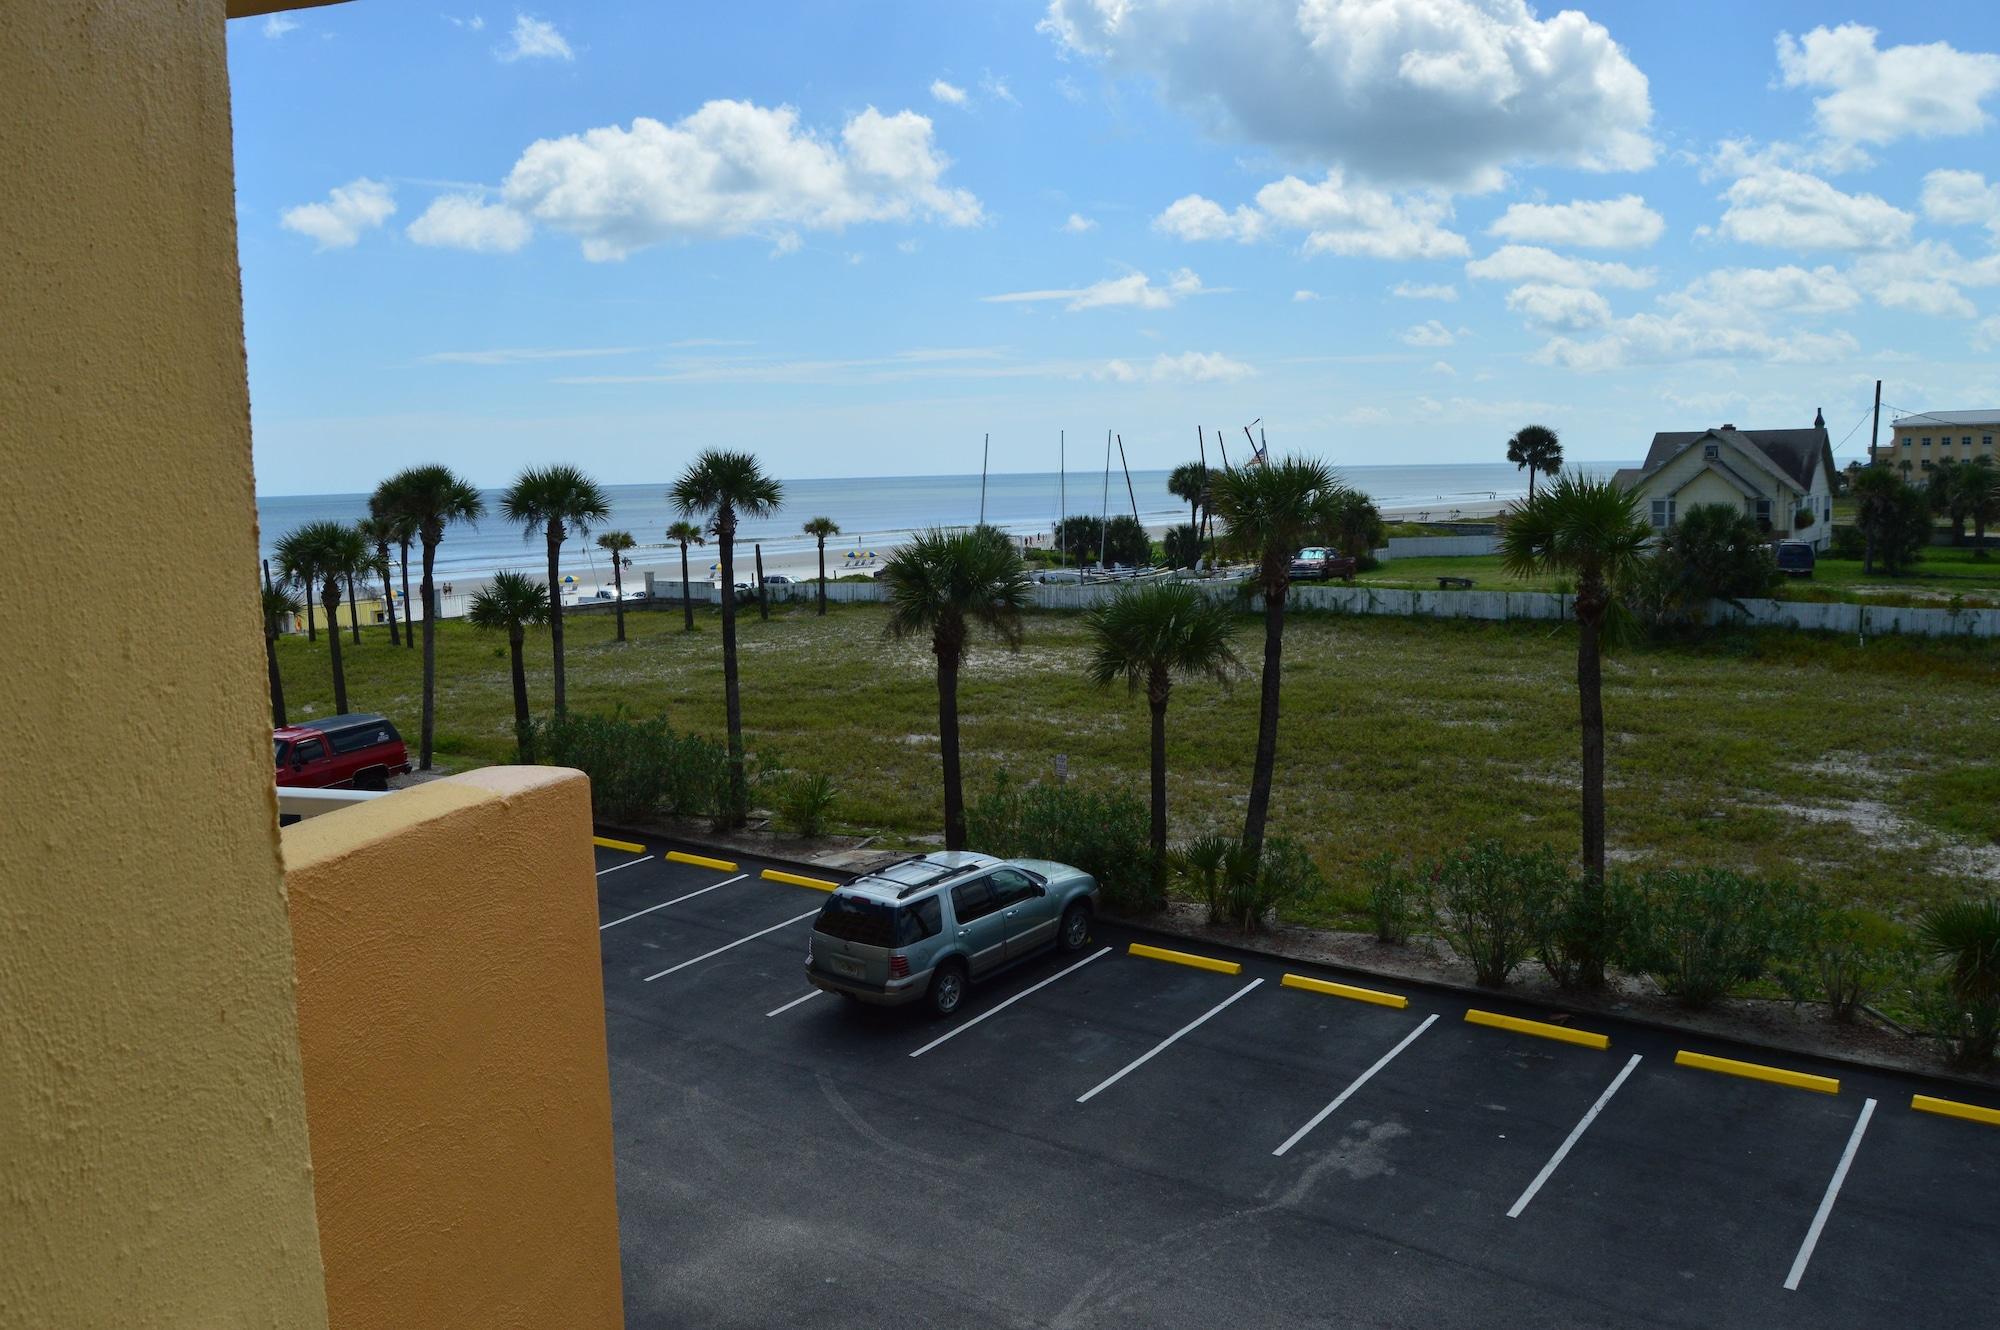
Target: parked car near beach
[
  {"x": 359, "y": 751},
  {"x": 922, "y": 928}
]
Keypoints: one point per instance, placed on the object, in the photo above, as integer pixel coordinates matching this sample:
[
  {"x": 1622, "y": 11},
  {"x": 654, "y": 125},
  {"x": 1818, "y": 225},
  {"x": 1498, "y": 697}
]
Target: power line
[{"x": 1857, "y": 425}]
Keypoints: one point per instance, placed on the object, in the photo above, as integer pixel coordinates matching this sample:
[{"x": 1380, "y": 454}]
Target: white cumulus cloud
[
  {"x": 535, "y": 39},
  {"x": 1435, "y": 92},
  {"x": 360, "y": 205},
  {"x": 1428, "y": 333},
  {"x": 465, "y": 221},
  {"x": 1424, "y": 291},
  {"x": 1187, "y": 367},
  {"x": 1962, "y": 198},
  {"x": 277, "y": 25},
  {"x": 1303, "y": 296},
  {"x": 1335, "y": 215},
  {"x": 1564, "y": 308},
  {"x": 1789, "y": 289},
  {"x": 1879, "y": 96},
  {"x": 1529, "y": 263},
  {"x": 1621, "y": 223},
  {"x": 1787, "y": 209},
  {"x": 733, "y": 168},
  {"x": 948, "y": 93},
  {"x": 1078, "y": 224},
  {"x": 1133, "y": 290}
]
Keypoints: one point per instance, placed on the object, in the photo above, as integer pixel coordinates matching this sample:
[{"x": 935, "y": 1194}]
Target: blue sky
[{"x": 856, "y": 237}]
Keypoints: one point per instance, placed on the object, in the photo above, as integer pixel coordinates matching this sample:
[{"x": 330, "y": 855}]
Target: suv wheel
[
  {"x": 1075, "y": 928},
  {"x": 947, "y": 988}
]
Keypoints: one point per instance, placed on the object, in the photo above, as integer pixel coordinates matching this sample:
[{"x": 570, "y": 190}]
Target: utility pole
[
  {"x": 1062, "y": 494},
  {"x": 985, "y": 450},
  {"x": 1875, "y": 430}
]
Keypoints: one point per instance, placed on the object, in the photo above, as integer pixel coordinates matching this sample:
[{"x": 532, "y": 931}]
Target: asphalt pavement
[{"x": 1110, "y": 1139}]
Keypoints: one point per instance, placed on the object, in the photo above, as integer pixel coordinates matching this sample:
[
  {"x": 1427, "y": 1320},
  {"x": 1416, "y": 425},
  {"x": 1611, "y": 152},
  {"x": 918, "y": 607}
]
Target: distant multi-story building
[{"x": 1918, "y": 444}]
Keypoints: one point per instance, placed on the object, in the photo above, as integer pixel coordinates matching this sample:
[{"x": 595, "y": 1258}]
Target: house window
[
  {"x": 1965, "y": 442},
  {"x": 1927, "y": 443},
  {"x": 1762, "y": 512},
  {"x": 1986, "y": 441},
  {"x": 1909, "y": 443},
  {"x": 1663, "y": 513},
  {"x": 1927, "y": 464},
  {"x": 1711, "y": 451}
]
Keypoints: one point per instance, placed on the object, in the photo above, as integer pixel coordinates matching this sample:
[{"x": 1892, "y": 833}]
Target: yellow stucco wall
[
  {"x": 451, "y": 1018},
  {"x": 154, "y": 1168}
]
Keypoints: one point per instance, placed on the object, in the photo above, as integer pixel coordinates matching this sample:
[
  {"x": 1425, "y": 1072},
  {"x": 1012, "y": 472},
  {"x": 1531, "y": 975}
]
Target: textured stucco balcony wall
[
  {"x": 154, "y": 1168},
  {"x": 451, "y": 1021}
]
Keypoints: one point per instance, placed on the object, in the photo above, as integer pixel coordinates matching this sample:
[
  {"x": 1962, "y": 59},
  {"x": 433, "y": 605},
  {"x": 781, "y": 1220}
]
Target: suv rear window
[
  {"x": 877, "y": 923},
  {"x": 362, "y": 736}
]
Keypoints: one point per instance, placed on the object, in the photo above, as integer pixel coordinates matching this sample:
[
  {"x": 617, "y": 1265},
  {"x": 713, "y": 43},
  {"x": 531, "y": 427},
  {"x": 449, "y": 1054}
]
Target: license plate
[{"x": 848, "y": 966}]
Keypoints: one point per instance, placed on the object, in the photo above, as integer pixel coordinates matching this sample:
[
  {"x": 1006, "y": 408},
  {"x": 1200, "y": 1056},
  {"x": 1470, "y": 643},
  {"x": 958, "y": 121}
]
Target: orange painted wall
[{"x": 451, "y": 1026}]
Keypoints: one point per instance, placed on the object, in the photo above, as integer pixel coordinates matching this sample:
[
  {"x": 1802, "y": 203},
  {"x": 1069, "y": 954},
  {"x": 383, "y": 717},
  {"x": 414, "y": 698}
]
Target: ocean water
[{"x": 877, "y": 512}]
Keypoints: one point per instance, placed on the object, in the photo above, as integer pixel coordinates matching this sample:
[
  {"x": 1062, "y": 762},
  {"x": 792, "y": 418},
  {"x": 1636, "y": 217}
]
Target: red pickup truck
[{"x": 358, "y": 752}]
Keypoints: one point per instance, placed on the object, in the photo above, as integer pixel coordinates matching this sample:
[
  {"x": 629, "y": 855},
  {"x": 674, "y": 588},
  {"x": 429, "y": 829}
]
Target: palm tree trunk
[
  {"x": 618, "y": 590},
  {"x": 1157, "y": 698},
  {"x": 687, "y": 605},
  {"x": 332, "y": 602},
  {"x": 763, "y": 592},
  {"x": 389, "y": 596},
  {"x": 524, "y": 733},
  {"x": 1531, "y": 482},
  {"x": 822, "y": 576},
  {"x": 555, "y": 612},
  {"x": 738, "y": 808},
  {"x": 409, "y": 639},
  {"x": 954, "y": 790},
  {"x": 277, "y": 679},
  {"x": 1590, "y": 699},
  {"x": 312, "y": 634},
  {"x": 1267, "y": 728},
  {"x": 353, "y": 610},
  {"x": 429, "y": 591}
]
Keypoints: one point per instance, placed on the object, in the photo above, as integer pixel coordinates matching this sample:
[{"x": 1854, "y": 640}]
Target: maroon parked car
[{"x": 356, "y": 752}]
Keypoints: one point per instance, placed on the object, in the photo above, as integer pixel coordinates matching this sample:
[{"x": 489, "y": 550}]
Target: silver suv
[{"x": 922, "y": 927}]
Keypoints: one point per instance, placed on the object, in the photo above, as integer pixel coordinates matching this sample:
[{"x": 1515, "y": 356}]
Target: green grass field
[
  {"x": 1944, "y": 572},
  {"x": 1870, "y": 769}
]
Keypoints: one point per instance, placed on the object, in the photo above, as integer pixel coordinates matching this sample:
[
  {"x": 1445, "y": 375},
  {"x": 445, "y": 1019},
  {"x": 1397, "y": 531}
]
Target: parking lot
[{"x": 1113, "y": 1139}]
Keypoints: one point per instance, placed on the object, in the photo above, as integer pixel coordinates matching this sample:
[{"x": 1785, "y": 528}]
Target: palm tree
[
  {"x": 1188, "y": 482},
  {"x": 1537, "y": 448},
  {"x": 512, "y": 603},
  {"x": 1966, "y": 936},
  {"x": 726, "y": 486},
  {"x": 819, "y": 529},
  {"x": 615, "y": 543},
  {"x": 1877, "y": 494},
  {"x": 431, "y": 498},
  {"x": 685, "y": 534},
  {"x": 1978, "y": 485},
  {"x": 1268, "y": 512},
  {"x": 1350, "y": 521},
  {"x": 279, "y": 604},
  {"x": 380, "y": 533},
  {"x": 945, "y": 583},
  {"x": 319, "y": 555},
  {"x": 401, "y": 531},
  {"x": 1589, "y": 531},
  {"x": 1147, "y": 636},
  {"x": 556, "y": 501},
  {"x": 298, "y": 564}
]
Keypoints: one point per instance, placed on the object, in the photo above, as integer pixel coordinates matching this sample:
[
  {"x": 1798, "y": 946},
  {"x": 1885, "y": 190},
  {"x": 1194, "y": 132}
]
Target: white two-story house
[{"x": 1782, "y": 478}]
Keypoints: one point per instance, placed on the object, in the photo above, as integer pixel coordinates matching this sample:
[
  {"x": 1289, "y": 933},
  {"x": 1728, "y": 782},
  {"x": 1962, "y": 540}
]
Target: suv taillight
[{"x": 899, "y": 966}]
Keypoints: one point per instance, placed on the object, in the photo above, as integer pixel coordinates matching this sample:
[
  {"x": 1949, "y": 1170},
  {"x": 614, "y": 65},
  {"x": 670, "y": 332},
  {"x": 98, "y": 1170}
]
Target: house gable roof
[
  {"x": 1729, "y": 474},
  {"x": 1791, "y": 455}
]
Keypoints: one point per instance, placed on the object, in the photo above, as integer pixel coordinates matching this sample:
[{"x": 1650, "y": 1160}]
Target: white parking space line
[
  {"x": 1165, "y": 1044},
  {"x": 779, "y": 1011},
  {"x": 957, "y": 1030},
  {"x": 664, "y": 904},
  {"x": 727, "y": 946},
  {"x": 1826, "y": 1202},
  {"x": 627, "y": 864},
  {"x": 1359, "y": 1081},
  {"x": 1575, "y": 1134}
]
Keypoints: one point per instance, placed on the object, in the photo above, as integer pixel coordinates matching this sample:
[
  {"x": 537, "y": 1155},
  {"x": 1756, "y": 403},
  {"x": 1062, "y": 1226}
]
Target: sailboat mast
[
  {"x": 1062, "y": 493},
  {"x": 1104, "y": 513},
  {"x": 1128, "y": 482},
  {"x": 985, "y": 451}
]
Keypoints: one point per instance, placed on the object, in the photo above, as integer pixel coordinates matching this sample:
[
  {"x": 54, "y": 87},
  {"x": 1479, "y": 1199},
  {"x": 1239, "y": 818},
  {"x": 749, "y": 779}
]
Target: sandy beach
[{"x": 664, "y": 562}]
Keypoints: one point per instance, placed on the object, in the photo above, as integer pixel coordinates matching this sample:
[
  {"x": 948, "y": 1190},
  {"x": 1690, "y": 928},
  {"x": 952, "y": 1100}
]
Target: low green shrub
[
  {"x": 1103, "y": 833},
  {"x": 1845, "y": 959},
  {"x": 1586, "y": 918},
  {"x": 1198, "y": 870},
  {"x": 1493, "y": 906},
  {"x": 803, "y": 801},
  {"x": 637, "y": 768},
  {"x": 1703, "y": 932},
  {"x": 1398, "y": 900},
  {"x": 1960, "y": 1004}
]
